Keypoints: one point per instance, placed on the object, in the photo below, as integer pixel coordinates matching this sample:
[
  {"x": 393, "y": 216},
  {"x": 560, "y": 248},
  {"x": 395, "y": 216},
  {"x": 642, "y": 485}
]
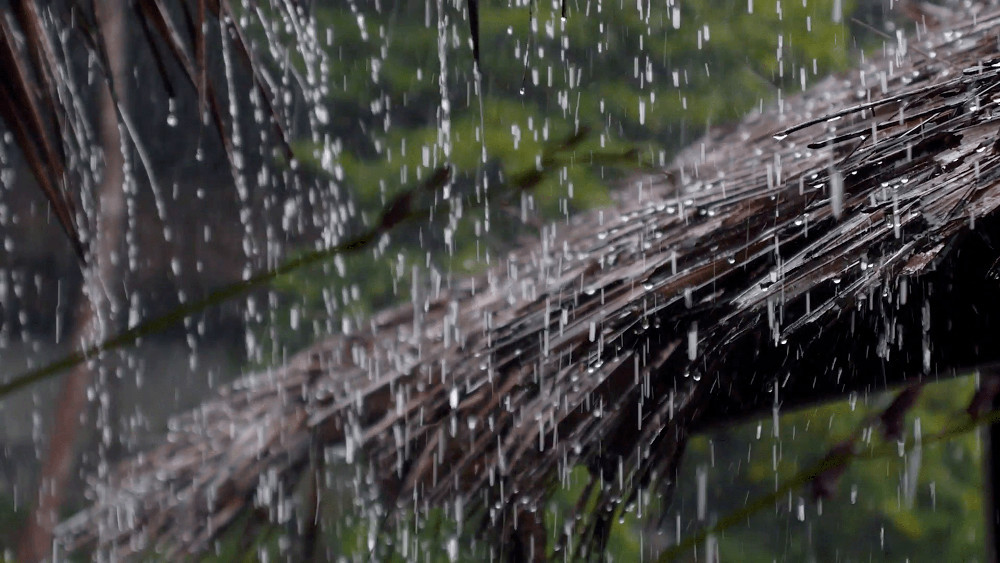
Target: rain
[{"x": 457, "y": 280}]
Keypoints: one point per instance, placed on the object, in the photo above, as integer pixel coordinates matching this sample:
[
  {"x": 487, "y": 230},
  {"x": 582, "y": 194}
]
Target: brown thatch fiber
[{"x": 840, "y": 241}]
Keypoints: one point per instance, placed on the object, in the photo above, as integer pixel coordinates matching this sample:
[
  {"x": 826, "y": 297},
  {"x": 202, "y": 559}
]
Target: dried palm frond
[
  {"x": 39, "y": 114},
  {"x": 28, "y": 106},
  {"x": 840, "y": 242}
]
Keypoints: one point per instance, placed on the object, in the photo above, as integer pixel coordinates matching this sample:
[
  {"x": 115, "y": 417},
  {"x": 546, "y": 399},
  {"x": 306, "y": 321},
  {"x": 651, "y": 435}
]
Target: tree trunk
[{"x": 92, "y": 314}]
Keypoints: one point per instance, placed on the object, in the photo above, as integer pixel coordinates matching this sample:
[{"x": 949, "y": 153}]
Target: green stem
[{"x": 389, "y": 220}]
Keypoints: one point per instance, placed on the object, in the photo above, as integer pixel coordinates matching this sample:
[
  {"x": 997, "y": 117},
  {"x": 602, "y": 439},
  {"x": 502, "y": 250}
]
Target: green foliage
[
  {"x": 400, "y": 98},
  {"x": 885, "y": 508}
]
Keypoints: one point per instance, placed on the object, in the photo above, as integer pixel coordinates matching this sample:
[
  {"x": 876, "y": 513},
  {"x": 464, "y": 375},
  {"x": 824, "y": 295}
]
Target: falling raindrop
[
  {"x": 692, "y": 347},
  {"x": 836, "y": 193}
]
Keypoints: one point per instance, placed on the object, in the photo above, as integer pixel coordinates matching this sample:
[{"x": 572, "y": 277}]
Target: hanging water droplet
[{"x": 172, "y": 112}]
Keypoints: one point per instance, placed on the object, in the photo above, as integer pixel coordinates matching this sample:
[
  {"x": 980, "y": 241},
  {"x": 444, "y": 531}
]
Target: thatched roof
[{"x": 841, "y": 241}]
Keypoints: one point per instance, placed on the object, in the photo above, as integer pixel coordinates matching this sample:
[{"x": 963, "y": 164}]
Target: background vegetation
[
  {"x": 397, "y": 97},
  {"x": 654, "y": 78},
  {"x": 650, "y": 78}
]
